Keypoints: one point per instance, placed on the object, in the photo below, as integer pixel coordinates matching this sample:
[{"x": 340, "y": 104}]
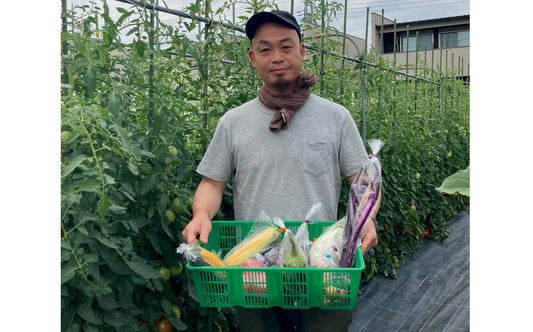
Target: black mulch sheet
[{"x": 431, "y": 292}]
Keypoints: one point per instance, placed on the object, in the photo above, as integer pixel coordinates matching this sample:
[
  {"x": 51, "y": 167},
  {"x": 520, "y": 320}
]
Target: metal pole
[
  {"x": 416, "y": 68},
  {"x": 381, "y": 33},
  {"x": 343, "y": 46},
  {"x": 205, "y": 60},
  {"x": 64, "y": 48},
  {"x": 407, "y": 54},
  {"x": 363, "y": 115},
  {"x": 394, "y": 46},
  {"x": 322, "y": 52}
]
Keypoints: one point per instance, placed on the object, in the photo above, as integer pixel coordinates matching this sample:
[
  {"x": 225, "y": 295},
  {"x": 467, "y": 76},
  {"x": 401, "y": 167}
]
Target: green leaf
[
  {"x": 68, "y": 271},
  {"x": 113, "y": 102},
  {"x": 73, "y": 164},
  {"x": 129, "y": 146},
  {"x": 104, "y": 240},
  {"x": 89, "y": 185},
  {"x": 136, "y": 223},
  {"x": 139, "y": 266},
  {"x": 166, "y": 305},
  {"x": 86, "y": 312},
  {"x": 116, "y": 209},
  {"x": 133, "y": 168},
  {"x": 113, "y": 260},
  {"x": 89, "y": 77},
  {"x": 458, "y": 182},
  {"x": 118, "y": 318},
  {"x": 103, "y": 205}
]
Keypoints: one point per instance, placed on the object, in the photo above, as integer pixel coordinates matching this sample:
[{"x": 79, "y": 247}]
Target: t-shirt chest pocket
[{"x": 317, "y": 157}]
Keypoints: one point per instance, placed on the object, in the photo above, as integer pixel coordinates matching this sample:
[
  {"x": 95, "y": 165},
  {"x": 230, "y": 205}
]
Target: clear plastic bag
[
  {"x": 199, "y": 256},
  {"x": 364, "y": 192},
  {"x": 327, "y": 248},
  {"x": 291, "y": 253},
  {"x": 262, "y": 235}
]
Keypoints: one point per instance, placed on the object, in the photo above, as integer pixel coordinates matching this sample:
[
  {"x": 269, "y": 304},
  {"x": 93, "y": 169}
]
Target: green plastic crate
[{"x": 256, "y": 287}]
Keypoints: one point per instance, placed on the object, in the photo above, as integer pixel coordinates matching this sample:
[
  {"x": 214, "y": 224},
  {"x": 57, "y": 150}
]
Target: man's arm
[{"x": 206, "y": 202}]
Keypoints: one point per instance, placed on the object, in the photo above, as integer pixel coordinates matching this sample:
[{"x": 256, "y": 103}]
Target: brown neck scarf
[{"x": 287, "y": 105}]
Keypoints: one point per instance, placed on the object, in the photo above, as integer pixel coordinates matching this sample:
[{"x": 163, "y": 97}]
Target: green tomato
[
  {"x": 177, "y": 311},
  {"x": 177, "y": 207},
  {"x": 172, "y": 150},
  {"x": 165, "y": 273},
  {"x": 413, "y": 208},
  {"x": 417, "y": 175},
  {"x": 449, "y": 154},
  {"x": 65, "y": 135},
  {"x": 176, "y": 270},
  {"x": 170, "y": 215}
]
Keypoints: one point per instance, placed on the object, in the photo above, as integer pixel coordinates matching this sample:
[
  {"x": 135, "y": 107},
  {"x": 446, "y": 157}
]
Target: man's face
[{"x": 277, "y": 54}]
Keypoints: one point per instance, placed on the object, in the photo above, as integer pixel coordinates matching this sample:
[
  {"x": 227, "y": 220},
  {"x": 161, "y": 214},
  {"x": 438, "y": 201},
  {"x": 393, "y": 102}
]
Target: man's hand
[
  {"x": 205, "y": 205},
  {"x": 370, "y": 236},
  {"x": 197, "y": 229}
]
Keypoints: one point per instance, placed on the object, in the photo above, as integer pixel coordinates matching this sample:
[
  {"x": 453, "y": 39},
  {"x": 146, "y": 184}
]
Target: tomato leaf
[
  {"x": 139, "y": 266},
  {"x": 111, "y": 258},
  {"x": 73, "y": 164},
  {"x": 108, "y": 302},
  {"x": 104, "y": 240},
  {"x": 68, "y": 271},
  {"x": 86, "y": 312},
  {"x": 118, "y": 318},
  {"x": 103, "y": 205}
]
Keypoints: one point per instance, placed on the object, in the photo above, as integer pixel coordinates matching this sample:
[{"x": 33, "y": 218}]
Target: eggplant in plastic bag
[{"x": 364, "y": 192}]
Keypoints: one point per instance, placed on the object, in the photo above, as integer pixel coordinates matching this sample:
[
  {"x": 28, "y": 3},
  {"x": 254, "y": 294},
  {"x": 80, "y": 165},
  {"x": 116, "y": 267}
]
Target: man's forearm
[{"x": 208, "y": 198}]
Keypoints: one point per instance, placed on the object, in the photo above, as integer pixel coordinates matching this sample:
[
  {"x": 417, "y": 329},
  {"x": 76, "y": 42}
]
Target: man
[{"x": 284, "y": 151}]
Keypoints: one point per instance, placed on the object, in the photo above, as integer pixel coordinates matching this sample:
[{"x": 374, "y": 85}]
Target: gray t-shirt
[{"x": 284, "y": 173}]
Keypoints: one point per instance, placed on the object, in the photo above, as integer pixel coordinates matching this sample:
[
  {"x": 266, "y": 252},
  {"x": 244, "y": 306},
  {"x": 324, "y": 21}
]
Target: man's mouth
[{"x": 278, "y": 71}]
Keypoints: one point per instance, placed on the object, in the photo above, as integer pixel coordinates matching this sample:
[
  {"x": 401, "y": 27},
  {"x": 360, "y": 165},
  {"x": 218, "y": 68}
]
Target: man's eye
[{"x": 263, "y": 50}]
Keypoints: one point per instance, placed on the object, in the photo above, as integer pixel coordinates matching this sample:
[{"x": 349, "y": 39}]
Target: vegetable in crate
[
  {"x": 197, "y": 255},
  {"x": 362, "y": 199},
  {"x": 254, "y": 281},
  {"x": 302, "y": 233},
  {"x": 325, "y": 251},
  {"x": 292, "y": 253},
  {"x": 260, "y": 238}
]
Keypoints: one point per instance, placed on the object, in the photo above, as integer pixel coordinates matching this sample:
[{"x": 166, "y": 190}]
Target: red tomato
[{"x": 164, "y": 325}]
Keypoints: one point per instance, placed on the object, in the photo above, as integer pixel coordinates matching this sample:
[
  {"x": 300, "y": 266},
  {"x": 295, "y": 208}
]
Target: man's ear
[
  {"x": 302, "y": 50},
  {"x": 251, "y": 56}
]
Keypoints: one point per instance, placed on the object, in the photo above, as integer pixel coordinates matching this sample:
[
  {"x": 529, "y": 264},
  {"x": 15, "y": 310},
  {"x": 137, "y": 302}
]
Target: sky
[{"x": 401, "y": 10}]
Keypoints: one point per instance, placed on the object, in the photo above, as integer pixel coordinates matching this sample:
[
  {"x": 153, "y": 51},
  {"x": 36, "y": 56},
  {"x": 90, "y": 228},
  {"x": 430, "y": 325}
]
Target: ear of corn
[
  {"x": 211, "y": 258},
  {"x": 199, "y": 256},
  {"x": 252, "y": 245}
]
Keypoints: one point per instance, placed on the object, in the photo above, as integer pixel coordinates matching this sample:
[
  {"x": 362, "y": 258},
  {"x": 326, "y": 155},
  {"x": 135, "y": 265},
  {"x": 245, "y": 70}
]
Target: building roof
[{"x": 429, "y": 22}]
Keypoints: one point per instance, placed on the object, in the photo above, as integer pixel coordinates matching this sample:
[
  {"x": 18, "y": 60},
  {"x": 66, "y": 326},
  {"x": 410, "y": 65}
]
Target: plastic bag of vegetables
[
  {"x": 302, "y": 233},
  {"x": 292, "y": 255},
  {"x": 327, "y": 248},
  {"x": 197, "y": 255},
  {"x": 261, "y": 236},
  {"x": 364, "y": 193},
  {"x": 254, "y": 281}
]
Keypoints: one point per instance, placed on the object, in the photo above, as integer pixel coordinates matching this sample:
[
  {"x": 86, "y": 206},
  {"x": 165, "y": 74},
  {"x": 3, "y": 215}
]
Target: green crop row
[{"x": 136, "y": 117}]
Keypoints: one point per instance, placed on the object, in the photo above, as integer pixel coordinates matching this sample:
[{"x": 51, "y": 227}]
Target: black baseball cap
[{"x": 277, "y": 16}]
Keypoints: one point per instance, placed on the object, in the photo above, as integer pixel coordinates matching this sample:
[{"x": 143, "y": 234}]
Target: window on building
[
  {"x": 455, "y": 39},
  {"x": 423, "y": 41}
]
